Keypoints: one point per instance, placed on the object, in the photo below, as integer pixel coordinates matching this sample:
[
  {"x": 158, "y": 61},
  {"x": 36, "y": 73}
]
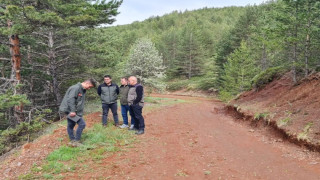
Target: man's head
[
  {"x": 107, "y": 79},
  {"x": 124, "y": 81},
  {"x": 133, "y": 80},
  {"x": 89, "y": 83}
]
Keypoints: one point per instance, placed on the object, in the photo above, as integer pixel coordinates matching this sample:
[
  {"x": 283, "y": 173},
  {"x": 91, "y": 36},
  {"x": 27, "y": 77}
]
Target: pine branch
[
  {"x": 40, "y": 34},
  {"x": 5, "y": 59},
  {"x": 41, "y": 54}
]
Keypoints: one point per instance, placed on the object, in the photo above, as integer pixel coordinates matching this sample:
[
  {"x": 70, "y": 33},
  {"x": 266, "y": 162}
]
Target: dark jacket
[
  {"x": 73, "y": 100},
  {"x": 124, "y": 89},
  {"x": 108, "y": 94},
  {"x": 136, "y": 95}
]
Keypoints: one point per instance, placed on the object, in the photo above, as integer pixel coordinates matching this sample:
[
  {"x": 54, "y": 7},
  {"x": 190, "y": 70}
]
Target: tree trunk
[
  {"x": 295, "y": 45},
  {"x": 52, "y": 67},
  {"x": 190, "y": 57},
  {"x": 307, "y": 46},
  {"x": 14, "y": 42}
]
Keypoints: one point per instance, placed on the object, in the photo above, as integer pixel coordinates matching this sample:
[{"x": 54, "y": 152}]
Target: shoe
[
  {"x": 116, "y": 125},
  {"x": 132, "y": 126},
  {"x": 77, "y": 144},
  {"x": 124, "y": 126},
  {"x": 71, "y": 143},
  {"x": 139, "y": 132},
  {"x": 104, "y": 125},
  {"x": 133, "y": 129}
]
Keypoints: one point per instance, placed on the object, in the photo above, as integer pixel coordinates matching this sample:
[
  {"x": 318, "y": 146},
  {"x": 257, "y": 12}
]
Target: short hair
[
  {"x": 126, "y": 78},
  {"x": 92, "y": 81},
  {"x": 107, "y": 76}
]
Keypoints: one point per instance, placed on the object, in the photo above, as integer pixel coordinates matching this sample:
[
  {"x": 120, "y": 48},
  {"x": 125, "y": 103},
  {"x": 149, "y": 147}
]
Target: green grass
[
  {"x": 258, "y": 116},
  {"x": 98, "y": 143},
  {"x": 304, "y": 134},
  {"x": 195, "y": 83},
  {"x": 284, "y": 121}
]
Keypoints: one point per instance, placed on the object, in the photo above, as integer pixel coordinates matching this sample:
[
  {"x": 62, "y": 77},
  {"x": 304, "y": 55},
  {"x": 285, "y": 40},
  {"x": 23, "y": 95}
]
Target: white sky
[{"x": 139, "y": 10}]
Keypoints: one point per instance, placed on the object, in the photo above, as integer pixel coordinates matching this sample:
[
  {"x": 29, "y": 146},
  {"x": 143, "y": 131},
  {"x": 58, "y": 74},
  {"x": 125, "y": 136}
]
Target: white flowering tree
[{"x": 146, "y": 63}]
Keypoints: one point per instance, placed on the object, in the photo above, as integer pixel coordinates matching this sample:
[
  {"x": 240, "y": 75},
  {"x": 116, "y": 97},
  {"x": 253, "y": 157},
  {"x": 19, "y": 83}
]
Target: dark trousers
[
  {"x": 105, "y": 108},
  {"x": 137, "y": 115},
  {"x": 81, "y": 126}
]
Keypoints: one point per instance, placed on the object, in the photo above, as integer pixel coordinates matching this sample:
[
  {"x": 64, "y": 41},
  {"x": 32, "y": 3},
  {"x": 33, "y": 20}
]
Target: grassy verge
[{"x": 98, "y": 144}]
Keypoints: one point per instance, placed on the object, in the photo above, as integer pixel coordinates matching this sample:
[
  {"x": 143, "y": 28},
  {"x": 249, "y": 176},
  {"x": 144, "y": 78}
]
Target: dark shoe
[
  {"x": 116, "y": 125},
  {"x": 140, "y": 132},
  {"x": 133, "y": 129}
]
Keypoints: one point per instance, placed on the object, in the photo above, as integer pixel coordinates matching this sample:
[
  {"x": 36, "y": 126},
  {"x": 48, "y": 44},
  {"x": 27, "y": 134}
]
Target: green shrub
[
  {"x": 265, "y": 77},
  {"x": 175, "y": 86},
  {"x": 225, "y": 96},
  {"x": 9, "y": 138},
  {"x": 206, "y": 84}
]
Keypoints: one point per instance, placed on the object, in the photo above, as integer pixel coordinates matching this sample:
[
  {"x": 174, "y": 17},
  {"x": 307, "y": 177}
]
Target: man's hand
[{"x": 72, "y": 114}]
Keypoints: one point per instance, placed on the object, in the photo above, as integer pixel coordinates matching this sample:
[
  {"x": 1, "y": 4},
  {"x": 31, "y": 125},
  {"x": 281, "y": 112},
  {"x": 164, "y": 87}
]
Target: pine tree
[
  {"x": 49, "y": 22},
  {"x": 239, "y": 70}
]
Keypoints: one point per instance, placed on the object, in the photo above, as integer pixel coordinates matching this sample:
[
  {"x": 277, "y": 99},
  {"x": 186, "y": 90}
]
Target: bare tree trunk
[
  {"x": 14, "y": 42},
  {"x": 307, "y": 46},
  {"x": 295, "y": 45},
  {"x": 190, "y": 57},
  {"x": 53, "y": 68},
  {"x": 174, "y": 50}
]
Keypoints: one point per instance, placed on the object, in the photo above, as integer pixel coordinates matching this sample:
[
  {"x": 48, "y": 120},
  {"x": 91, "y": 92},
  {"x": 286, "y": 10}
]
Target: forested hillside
[
  {"x": 45, "y": 46},
  {"x": 186, "y": 41}
]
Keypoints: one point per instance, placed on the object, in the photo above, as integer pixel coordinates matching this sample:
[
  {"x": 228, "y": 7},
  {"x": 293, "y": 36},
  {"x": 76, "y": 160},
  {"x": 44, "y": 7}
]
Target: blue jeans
[
  {"x": 105, "y": 108},
  {"x": 81, "y": 126},
  {"x": 124, "y": 113},
  {"x": 138, "y": 118}
]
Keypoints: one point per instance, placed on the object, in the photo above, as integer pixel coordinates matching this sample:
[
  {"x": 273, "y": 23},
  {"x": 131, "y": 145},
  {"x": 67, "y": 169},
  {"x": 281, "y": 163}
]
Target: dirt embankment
[{"x": 291, "y": 110}]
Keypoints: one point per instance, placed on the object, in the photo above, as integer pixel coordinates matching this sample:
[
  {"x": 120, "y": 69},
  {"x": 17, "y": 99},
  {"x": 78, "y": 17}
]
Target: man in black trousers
[
  {"x": 136, "y": 102},
  {"x": 108, "y": 92}
]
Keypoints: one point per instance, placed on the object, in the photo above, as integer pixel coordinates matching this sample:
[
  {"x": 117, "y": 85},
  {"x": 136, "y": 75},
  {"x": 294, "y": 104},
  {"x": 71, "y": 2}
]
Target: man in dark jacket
[
  {"x": 108, "y": 93},
  {"x": 124, "y": 89},
  {"x": 136, "y": 103},
  {"x": 73, "y": 105}
]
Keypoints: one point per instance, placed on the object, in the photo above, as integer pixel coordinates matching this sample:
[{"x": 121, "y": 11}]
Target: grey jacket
[
  {"x": 136, "y": 95},
  {"x": 108, "y": 94},
  {"x": 73, "y": 100}
]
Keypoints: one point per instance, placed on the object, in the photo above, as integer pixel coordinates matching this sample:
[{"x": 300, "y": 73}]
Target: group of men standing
[{"x": 131, "y": 100}]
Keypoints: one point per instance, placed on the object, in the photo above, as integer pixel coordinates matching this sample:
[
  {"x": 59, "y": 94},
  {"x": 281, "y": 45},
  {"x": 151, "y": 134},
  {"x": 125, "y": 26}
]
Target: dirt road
[{"x": 199, "y": 141}]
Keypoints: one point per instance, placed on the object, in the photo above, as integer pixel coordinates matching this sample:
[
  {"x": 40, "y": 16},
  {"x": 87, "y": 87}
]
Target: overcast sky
[{"x": 139, "y": 10}]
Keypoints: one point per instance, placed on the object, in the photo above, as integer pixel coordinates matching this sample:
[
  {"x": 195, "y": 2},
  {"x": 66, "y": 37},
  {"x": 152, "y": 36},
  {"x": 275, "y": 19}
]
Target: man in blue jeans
[
  {"x": 73, "y": 105},
  {"x": 124, "y": 89},
  {"x": 108, "y": 93}
]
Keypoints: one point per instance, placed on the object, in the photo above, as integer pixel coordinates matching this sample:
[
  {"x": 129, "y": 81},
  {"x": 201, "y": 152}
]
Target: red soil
[
  {"x": 188, "y": 141},
  {"x": 282, "y": 100}
]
